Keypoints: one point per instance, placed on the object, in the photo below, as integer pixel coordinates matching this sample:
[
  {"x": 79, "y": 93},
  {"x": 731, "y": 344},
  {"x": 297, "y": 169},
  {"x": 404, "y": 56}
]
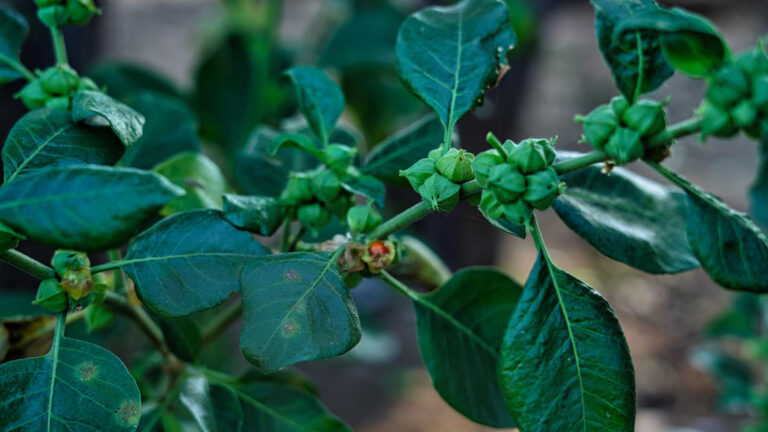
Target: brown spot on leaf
[
  {"x": 291, "y": 275},
  {"x": 128, "y": 413},
  {"x": 87, "y": 371}
]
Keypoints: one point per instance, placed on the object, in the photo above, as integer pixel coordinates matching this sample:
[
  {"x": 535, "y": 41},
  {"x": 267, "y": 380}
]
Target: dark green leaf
[
  {"x": 366, "y": 186},
  {"x": 170, "y": 129},
  {"x": 508, "y": 227},
  {"x": 124, "y": 121},
  {"x": 226, "y": 409},
  {"x": 448, "y": 56},
  {"x": 690, "y": 42},
  {"x": 195, "y": 396},
  {"x": 201, "y": 179},
  {"x": 296, "y": 307},
  {"x": 564, "y": 362},
  {"x": 367, "y": 38},
  {"x": 759, "y": 189},
  {"x": 86, "y": 208},
  {"x": 261, "y": 215},
  {"x": 124, "y": 80},
  {"x": 189, "y": 262},
  {"x": 183, "y": 337},
  {"x": 634, "y": 51},
  {"x": 628, "y": 218},
  {"x": 734, "y": 377},
  {"x": 79, "y": 386},
  {"x": 461, "y": 326},
  {"x": 46, "y": 138},
  {"x": 320, "y": 99},
  {"x": 294, "y": 140},
  {"x": 9, "y": 239},
  {"x": 13, "y": 31},
  {"x": 403, "y": 149}
]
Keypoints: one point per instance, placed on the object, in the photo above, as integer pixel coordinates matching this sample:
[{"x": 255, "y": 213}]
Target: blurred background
[{"x": 556, "y": 72}]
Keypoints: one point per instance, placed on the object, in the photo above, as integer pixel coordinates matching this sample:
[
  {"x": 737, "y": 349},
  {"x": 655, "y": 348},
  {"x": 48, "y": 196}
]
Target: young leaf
[
  {"x": 201, "y": 179},
  {"x": 564, "y": 362},
  {"x": 628, "y": 218},
  {"x": 261, "y": 215},
  {"x": 320, "y": 99},
  {"x": 46, "y": 138},
  {"x": 403, "y": 149},
  {"x": 76, "y": 386},
  {"x": 508, "y": 227},
  {"x": 448, "y": 56},
  {"x": 460, "y": 328},
  {"x": 183, "y": 337},
  {"x": 124, "y": 80},
  {"x": 124, "y": 121},
  {"x": 170, "y": 128},
  {"x": 189, "y": 262},
  {"x": 690, "y": 42},
  {"x": 296, "y": 307},
  {"x": 366, "y": 186},
  {"x": 294, "y": 140},
  {"x": 730, "y": 247},
  {"x": 13, "y": 31},
  {"x": 636, "y": 60},
  {"x": 87, "y": 208}
]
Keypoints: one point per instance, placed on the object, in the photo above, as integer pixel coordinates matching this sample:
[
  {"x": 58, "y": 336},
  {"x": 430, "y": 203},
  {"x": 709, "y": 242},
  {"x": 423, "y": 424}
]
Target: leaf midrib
[{"x": 40, "y": 148}]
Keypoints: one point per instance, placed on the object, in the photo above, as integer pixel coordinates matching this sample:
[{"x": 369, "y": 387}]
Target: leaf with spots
[
  {"x": 77, "y": 386},
  {"x": 189, "y": 262},
  {"x": 125, "y": 122},
  {"x": 449, "y": 55},
  {"x": 296, "y": 307},
  {"x": 564, "y": 363}
]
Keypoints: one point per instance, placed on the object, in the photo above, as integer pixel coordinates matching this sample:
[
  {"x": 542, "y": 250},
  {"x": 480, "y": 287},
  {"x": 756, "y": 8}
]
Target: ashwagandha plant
[{"x": 546, "y": 356}]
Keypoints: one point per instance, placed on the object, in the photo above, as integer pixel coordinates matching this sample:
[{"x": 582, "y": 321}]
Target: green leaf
[
  {"x": 294, "y": 140},
  {"x": 403, "y": 149},
  {"x": 124, "y": 80},
  {"x": 195, "y": 396},
  {"x": 320, "y": 99},
  {"x": 564, "y": 362},
  {"x": 189, "y": 262},
  {"x": 460, "y": 327},
  {"x": 366, "y": 186},
  {"x": 46, "y": 138},
  {"x": 76, "y": 386},
  {"x": 170, "y": 128},
  {"x": 201, "y": 179},
  {"x": 508, "y": 227},
  {"x": 261, "y": 215},
  {"x": 730, "y": 247},
  {"x": 759, "y": 189},
  {"x": 448, "y": 56},
  {"x": 13, "y": 31},
  {"x": 124, "y": 121},
  {"x": 183, "y": 337},
  {"x": 690, "y": 42},
  {"x": 636, "y": 60},
  {"x": 296, "y": 307},
  {"x": 628, "y": 218},
  {"x": 367, "y": 38},
  {"x": 226, "y": 409},
  {"x": 9, "y": 239},
  {"x": 87, "y": 208}
]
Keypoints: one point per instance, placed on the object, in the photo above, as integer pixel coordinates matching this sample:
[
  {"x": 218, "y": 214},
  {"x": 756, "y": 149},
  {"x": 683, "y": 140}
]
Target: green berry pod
[
  {"x": 352, "y": 280},
  {"x": 58, "y": 103},
  {"x": 599, "y": 125},
  {"x": 490, "y": 206},
  {"x": 456, "y": 166},
  {"x": 419, "y": 172},
  {"x": 50, "y": 296},
  {"x": 64, "y": 260},
  {"x": 313, "y": 216},
  {"x": 59, "y": 80},
  {"x": 33, "y": 95},
  {"x": 506, "y": 182},
  {"x": 362, "y": 218},
  {"x": 340, "y": 205},
  {"x": 518, "y": 211},
  {"x": 646, "y": 116},
  {"x": 339, "y": 157},
  {"x": 728, "y": 87},
  {"x": 744, "y": 114},
  {"x": 541, "y": 188},
  {"x": 53, "y": 16},
  {"x": 81, "y": 11},
  {"x": 532, "y": 155},
  {"x": 86, "y": 83},
  {"x": 326, "y": 185},
  {"x": 619, "y": 105},
  {"x": 716, "y": 122},
  {"x": 760, "y": 92},
  {"x": 753, "y": 62},
  {"x": 484, "y": 163},
  {"x": 298, "y": 189},
  {"x": 435, "y": 154},
  {"x": 440, "y": 192},
  {"x": 625, "y": 145}
]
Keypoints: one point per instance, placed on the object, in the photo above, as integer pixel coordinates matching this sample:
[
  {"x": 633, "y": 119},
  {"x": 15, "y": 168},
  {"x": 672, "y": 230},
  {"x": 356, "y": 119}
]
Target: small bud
[
  {"x": 647, "y": 117},
  {"x": 362, "y": 218},
  {"x": 98, "y": 317},
  {"x": 298, "y": 189},
  {"x": 599, "y": 125},
  {"x": 625, "y": 145},
  {"x": 53, "y": 16},
  {"x": 313, "y": 216},
  {"x": 518, "y": 212},
  {"x": 59, "y": 103},
  {"x": 483, "y": 164},
  {"x": 339, "y": 157},
  {"x": 490, "y": 206},
  {"x": 542, "y": 188},
  {"x": 50, "y": 296},
  {"x": 716, "y": 122},
  {"x": 728, "y": 87},
  {"x": 456, "y": 165},
  {"x": 33, "y": 95},
  {"x": 59, "y": 80},
  {"x": 81, "y": 11},
  {"x": 326, "y": 185},
  {"x": 419, "y": 172},
  {"x": 440, "y": 192},
  {"x": 745, "y": 114},
  {"x": 532, "y": 155},
  {"x": 64, "y": 260},
  {"x": 506, "y": 182},
  {"x": 619, "y": 105},
  {"x": 752, "y": 63}
]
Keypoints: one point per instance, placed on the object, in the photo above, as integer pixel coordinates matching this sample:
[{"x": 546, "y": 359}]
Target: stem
[
  {"x": 401, "y": 287},
  {"x": 538, "y": 240},
  {"x": 580, "y": 162},
  {"x": 59, "y": 47},
  {"x": 108, "y": 266},
  {"x": 222, "y": 321},
  {"x": 679, "y": 130},
  {"x": 285, "y": 236},
  {"x": 18, "y": 67},
  {"x": 27, "y": 264},
  {"x": 115, "y": 255},
  {"x": 296, "y": 239},
  {"x": 496, "y": 144}
]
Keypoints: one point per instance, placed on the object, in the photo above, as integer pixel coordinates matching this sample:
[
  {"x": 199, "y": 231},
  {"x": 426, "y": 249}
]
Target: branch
[{"x": 27, "y": 264}]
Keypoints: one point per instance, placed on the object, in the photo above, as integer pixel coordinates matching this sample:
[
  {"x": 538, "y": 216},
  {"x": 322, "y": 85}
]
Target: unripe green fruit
[
  {"x": 518, "y": 212},
  {"x": 435, "y": 154},
  {"x": 753, "y": 62},
  {"x": 81, "y": 11},
  {"x": 716, "y": 122},
  {"x": 87, "y": 84},
  {"x": 506, "y": 182},
  {"x": 50, "y": 296},
  {"x": 483, "y": 164},
  {"x": 33, "y": 95},
  {"x": 456, "y": 165},
  {"x": 313, "y": 216},
  {"x": 745, "y": 114},
  {"x": 760, "y": 92},
  {"x": 298, "y": 189},
  {"x": 647, "y": 117},
  {"x": 542, "y": 188},
  {"x": 59, "y": 80},
  {"x": 362, "y": 218},
  {"x": 58, "y": 103},
  {"x": 619, "y": 105},
  {"x": 728, "y": 87},
  {"x": 326, "y": 185},
  {"x": 599, "y": 125},
  {"x": 64, "y": 260},
  {"x": 440, "y": 192},
  {"x": 53, "y": 16},
  {"x": 340, "y": 205},
  {"x": 625, "y": 145},
  {"x": 419, "y": 172},
  {"x": 339, "y": 157},
  {"x": 532, "y": 155},
  {"x": 490, "y": 206}
]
